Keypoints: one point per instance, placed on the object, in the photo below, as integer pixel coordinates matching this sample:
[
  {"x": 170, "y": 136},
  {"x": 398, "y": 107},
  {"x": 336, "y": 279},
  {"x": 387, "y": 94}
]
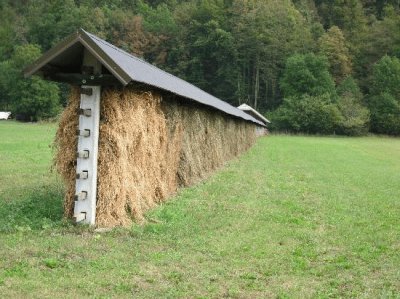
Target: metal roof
[
  {"x": 245, "y": 107},
  {"x": 67, "y": 56}
]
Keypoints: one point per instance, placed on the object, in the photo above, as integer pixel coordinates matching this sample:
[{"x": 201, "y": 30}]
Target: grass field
[{"x": 295, "y": 217}]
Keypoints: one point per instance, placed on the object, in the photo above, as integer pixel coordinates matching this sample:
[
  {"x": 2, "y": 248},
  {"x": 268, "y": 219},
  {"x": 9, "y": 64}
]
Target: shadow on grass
[{"x": 39, "y": 208}]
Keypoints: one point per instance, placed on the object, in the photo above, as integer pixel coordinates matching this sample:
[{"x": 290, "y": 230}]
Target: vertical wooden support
[{"x": 87, "y": 151}]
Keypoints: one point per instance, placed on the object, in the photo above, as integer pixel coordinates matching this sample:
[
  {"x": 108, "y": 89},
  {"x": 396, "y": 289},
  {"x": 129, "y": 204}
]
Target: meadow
[{"x": 295, "y": 216}]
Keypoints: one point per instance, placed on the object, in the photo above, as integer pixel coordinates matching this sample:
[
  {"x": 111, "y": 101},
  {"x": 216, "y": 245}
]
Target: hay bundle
[
  {"x": 148, "y": 147},
  {"x": 210, "y": 139}
]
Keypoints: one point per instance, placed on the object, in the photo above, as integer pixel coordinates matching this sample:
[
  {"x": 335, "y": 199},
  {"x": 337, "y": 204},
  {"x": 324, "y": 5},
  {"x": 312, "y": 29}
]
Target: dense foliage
[
  {"x": 384, "y": 102},
  {"x": 273, "y": 55}
]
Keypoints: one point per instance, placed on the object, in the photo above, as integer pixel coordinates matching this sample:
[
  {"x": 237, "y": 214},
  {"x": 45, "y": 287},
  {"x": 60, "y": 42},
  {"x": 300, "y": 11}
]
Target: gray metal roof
[{"x": 126, "y": 68}]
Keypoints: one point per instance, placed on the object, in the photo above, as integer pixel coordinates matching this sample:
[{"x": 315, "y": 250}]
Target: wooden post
[{"x": 87, "y": 151}]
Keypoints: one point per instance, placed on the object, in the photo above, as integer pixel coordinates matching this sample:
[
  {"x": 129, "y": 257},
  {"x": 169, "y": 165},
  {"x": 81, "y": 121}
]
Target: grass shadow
[{"x": 39, "y": 208}]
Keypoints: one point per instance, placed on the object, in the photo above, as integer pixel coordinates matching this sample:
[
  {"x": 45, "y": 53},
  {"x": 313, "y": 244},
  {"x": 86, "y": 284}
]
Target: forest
[{"x": 310, "y": 66}]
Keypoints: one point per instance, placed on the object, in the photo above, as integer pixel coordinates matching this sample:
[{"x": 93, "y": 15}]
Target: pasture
[{"x": 311, "y": 217}]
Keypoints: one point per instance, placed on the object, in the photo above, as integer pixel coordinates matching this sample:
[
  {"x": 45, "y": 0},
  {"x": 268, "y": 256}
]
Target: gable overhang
[{"x": 67, "y": 57}]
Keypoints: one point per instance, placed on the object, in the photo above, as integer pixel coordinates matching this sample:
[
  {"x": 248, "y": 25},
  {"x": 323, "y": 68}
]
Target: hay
[
  {"x": 148, "y": 147},
  {"x": 210, "y": 139},
  {"x": 66, "y": 144}
]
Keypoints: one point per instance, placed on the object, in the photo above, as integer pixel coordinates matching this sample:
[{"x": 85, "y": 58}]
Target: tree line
[{"x": 313, "y": 66}]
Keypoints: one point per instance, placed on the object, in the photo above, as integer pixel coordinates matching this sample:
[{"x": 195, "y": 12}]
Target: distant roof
[
  {"x": 67, "y": 57},
  {"x": 256, "y": 114}
]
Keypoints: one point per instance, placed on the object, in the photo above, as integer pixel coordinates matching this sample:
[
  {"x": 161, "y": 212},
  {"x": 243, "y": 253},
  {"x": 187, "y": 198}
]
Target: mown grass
[
  {"x": 29, "y": 192},
  {"x": 312, "y": 217}
]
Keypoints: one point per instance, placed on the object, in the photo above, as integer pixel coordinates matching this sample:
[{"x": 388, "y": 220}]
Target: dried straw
[{"x": 148, "y": 147}]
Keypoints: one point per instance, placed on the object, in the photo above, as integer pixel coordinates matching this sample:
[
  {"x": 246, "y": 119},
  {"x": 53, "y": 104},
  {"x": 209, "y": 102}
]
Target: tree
[
  {"x": 349, "y": 87},
  {"x": 50, "y": 21},
  {"x": 333, "y": 46},
  {"x": 7, "y": 31},
  {"x": 386, "y": 77},
  {"x": 384, "y": 101},
  {"x": 307, "y": 74},
  {"x": 32, "y": 98},
  {"x": 355, "y": 117},
  {"x": 348, "y": 15},
  {"x": 267, "y": 33},
  {"x": 36, "y": 99},
  {"x": 381, "y": 38},
  {"x": 307, "y": 114},
  {"x": 385, "y": 114},
  {"x": 377, "y": 8},
  {"x": 204, "y": 52},
  {"x": 309, "y": 104}
]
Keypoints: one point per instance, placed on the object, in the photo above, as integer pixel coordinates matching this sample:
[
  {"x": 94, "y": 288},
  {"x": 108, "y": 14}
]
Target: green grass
[
  {"x": 311, "y": 217},
  {"x": 29, "y": 192}
]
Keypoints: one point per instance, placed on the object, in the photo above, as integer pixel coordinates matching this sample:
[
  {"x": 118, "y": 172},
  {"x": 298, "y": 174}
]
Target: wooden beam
[
  {"x": 87, "y": 151},
  {"x": 81, "y": 79}
]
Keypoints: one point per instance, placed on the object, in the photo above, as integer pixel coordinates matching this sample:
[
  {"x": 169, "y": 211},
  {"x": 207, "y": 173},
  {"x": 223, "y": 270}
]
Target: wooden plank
[
  {"x": 86, "y": 165},
  {"x": 89, "y": 144}
]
